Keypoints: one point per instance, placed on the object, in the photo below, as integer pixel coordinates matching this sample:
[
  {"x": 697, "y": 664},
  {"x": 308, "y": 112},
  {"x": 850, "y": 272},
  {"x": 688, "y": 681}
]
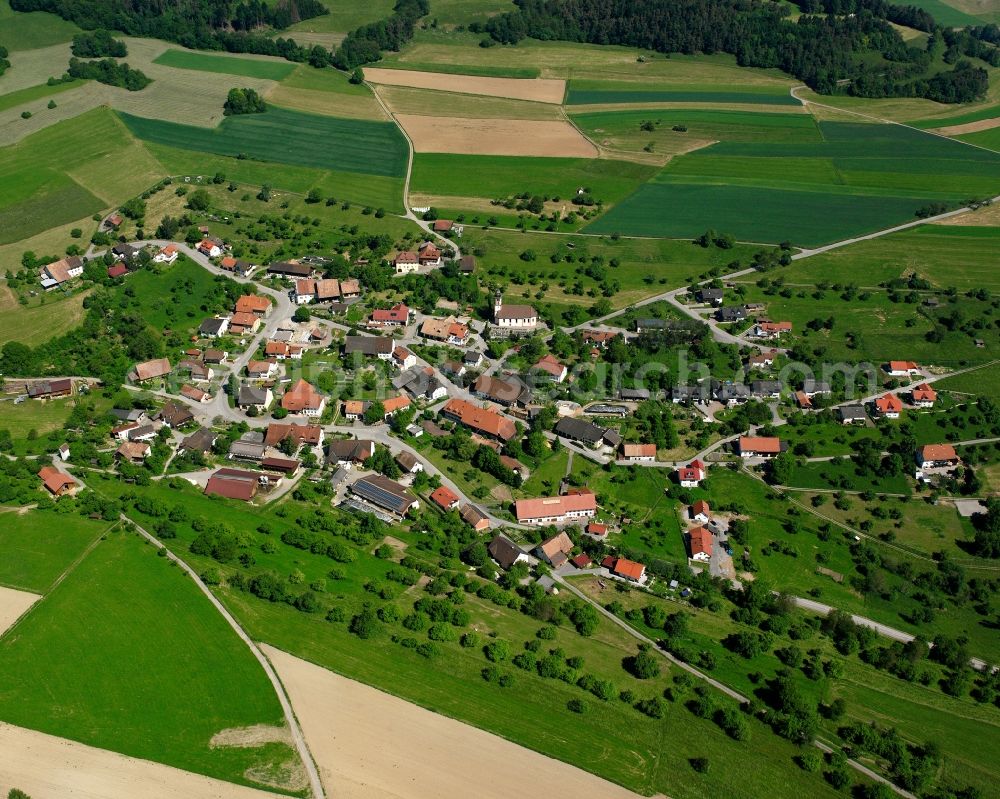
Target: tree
[
  {"x": 497, "y": 651},
  {"x": 365, "y": 624},
  {"x": 243, "y": 101},
  {"x": 643, "y": 665},
  {"x": 198, "y": 200},
  {"x": 374, "y": 413},
  {"x": 302, "y": 314},
  {"x": 357, "y": 76}
]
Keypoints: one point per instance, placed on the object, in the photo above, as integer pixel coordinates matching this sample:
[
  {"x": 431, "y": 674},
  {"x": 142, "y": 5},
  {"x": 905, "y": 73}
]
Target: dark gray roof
[
  {"x": 733, "y": 313},
  {"x": 579, "y": 430},
  {"x": 687, "y": 393},
  {"x": 710, "y": 294},
  {"x": 383, "y": 492},
  {"x": 368, "y": 345},
  {"x": 612, "y": 438},
  {"x": 726, "y": 392},
  {"x": 251, "y": 395},
  {"x": 248, "y": 450},
  {"x": 350, "y": 449},
  {"x": 285, "y": 268},
  {"x": 200, "y": 440},
  {"x": 851, "y": 412},
  {"x": 504, "y": 551},
  {"x": 765, "y": 388},
  {"x": 633, "y": 394},
  {"x": 815, "y": 386}
]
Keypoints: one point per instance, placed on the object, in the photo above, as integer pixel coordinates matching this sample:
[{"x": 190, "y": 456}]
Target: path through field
[{"x": 371, "y": 745}]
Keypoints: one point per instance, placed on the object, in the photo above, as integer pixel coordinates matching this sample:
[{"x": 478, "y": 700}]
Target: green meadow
[
  {"x": 478, "y": 70},
  {"x": 26, "y": 31},
  {"x": 13, "y": 99},
  {"x": 947, "y": 14},
  {"x": 37, "y": 546},
  {"x": 860, "y": 177},
  {"x": 493, "y": 177},
  {"x": 247, "y": 67},
  {"x": 126, "y": 633}
]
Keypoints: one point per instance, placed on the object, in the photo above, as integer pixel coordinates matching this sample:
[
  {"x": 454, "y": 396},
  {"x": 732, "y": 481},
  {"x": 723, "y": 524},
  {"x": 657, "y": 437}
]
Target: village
[{"x": 252, "y": 407}]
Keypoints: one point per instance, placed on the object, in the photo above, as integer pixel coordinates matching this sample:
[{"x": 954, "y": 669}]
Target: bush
[
  {"x": 497, "y": 651},
  {"x": 577, "y": 706},
  {"x": 469, "y": 641},
  {"x": 699, "y": 764},
  {"x": 243, "y": 101},
  {"x": 642, "y": 666},
  {"x": 366, "y": 624}
]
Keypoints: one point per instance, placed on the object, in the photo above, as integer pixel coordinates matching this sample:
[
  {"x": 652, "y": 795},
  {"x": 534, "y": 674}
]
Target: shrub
[{"x": 577, "y": 705}]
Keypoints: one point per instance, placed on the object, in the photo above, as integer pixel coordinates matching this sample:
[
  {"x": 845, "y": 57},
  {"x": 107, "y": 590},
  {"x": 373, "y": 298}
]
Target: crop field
[
  {"x": 860, "y": 177},
  {"x": 271, "y": 69},
  {"x": 37, "y": 546},
  {"x": 289, "y": 137},
  {"x": 494, "y": 177},
  {"x": 594, "y": 92},
  {"x": 944, "y": 255},
  {"x": 988, "y": 112},
  {"x": 405, "y": 100},
  {"x": 325, "y": 92},
  {"x": 990, "y": 139},
  {"x": 26, "y": 31},
  {"x": 90, "y": 663},
  {"x": 542, "y": 90},
  {"x": 52, "y": 199}
]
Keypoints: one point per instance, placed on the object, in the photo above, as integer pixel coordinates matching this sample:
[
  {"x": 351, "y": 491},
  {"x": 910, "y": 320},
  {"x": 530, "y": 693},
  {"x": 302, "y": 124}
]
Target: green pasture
[
  {"x": 304, "y": 76},
  {"x": 990, "y": 139},
  {"x": 984, "y": 381},
  {"x": 343, "y": 17},
  {"x": 229, "y": 65},
  {"x": 478, "y": 70},
  {"x": 37, "y": 546},
  {"x": 494, "y": 177},
  {"x": 26, "y": 31},
  {"x": 989, "y": 112},
  {"x": 289, "y": 137},
  {"x": 55, "y": 199},
  {"x": 22, "y": 96},
  {"x": 947, "y": 14},
  {"x": 126, "y": 654},
  {"x": 860, "y": 177}
]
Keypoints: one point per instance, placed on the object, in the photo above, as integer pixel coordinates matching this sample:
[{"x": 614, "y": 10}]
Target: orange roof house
[
  {"x": 555, "y": 510},
  {"x": 57, "y": 483},
  {"x": 701, "y": 543},
  {"x": 923, "y": 396},
  {"x": 700, "y": 510},
  {"x": 889, "y": 406},
  {"x": 759, "y": 446},
  {"x": 902, "y": 368},
  {"x": 445, "y": 498},
  {"x": 937, "y": 455},
  {"x": 253, "y": 303},
  {"x": 303, "y": 398},
  {"x": 483, "y": 420},
  {"x": 150, "y": 370},
  {"x": 630, "y": 570}
]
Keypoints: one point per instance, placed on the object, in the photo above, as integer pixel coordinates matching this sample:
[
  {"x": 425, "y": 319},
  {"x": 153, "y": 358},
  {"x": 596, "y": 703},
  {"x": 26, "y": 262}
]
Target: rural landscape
[{"x": 474, "y": 398}]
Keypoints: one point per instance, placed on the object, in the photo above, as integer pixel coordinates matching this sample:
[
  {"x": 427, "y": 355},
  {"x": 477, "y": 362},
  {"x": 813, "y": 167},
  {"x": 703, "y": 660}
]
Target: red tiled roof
[
  {"x": 54, "y": 480},
  {"x": 597, "y": 529},
  {"x": 543, "y": 507},
  {"x": 581, "y": 561},
  {"x": 938, "y": 452},
  {"x": 117, "y": 270},
  {"x": 769, "y": 445},
  {"x": 701, "y": 541},
  {"x": 482, "y": 419},
  {"x": 701, "y": 507},
  {"x": 629, "y": 568},
  {"x": 252, "y": 303},
  {"x": 301, "y": 396},
  {"x": 924, "y": 393},
  {"x": 902, "y": 366},
  {"x": 889, "y": 403},
  {"x": 639, "y": 450},
  {"x": 394, "y": 404},
  {"x": 444, "y": 497}
]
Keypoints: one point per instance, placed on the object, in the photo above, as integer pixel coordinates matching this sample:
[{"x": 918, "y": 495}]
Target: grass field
[
  {"x": 610, "y": 739},
  {"x": 595, "y": 92},
  {"x": 478, "y": 70},
  {"x": 37, "y": 546},
  {"x": 989, "y": 139},
  {"x": 325, "y": 91},
  {"x": 26, "y": 31},
  {"x": 289, "y": 137},
  {"x": 247, "y": 67},
  {"x": 126, "y": 633},
  {"x": 493, "y": 177},
  {"x": 944, "y": 255},
  {"x": 984, "y": 382},
  {"x": 408, "y": 100},
  {"x": 947, "y": 14},
  {"x": 343, "y": 17},
  {"x": 989, "y": 112},
  {"x": 36, "y": 323},
  {"x": 14, "y": 99},
  {"x": 68, "y": 171},
  {"x": 41, "y": 417},
  {"x": 860, "y": 177}
]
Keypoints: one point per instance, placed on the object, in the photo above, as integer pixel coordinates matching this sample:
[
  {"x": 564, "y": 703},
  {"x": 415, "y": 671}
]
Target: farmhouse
[
  {"x": 308, "y": 434},
  {"x": 406, "y": 263},
  {"x": 639, "y": 453},
  {"x": 261, "y": 370},
  {"x": 195, "y": 394},
  {"x": 305, "y": 291},
  {"x": 504, "y": 392},
  {"x": 61, "y": 271},
  {"x": 275, "y": 463},
  {"x": 384, "y": 493},
  {"x": 556, "y": 510},
  {"x": 201, "y": 441},
  {"x": 700, "y": 543},
  {"x": 555, "y": 549},
  {"x": 428, "y": 254},
  {"x": 236, "y": 265},
  {"x": 513, "y": 318},
  {"x": 700, "y": 511},
  {"x": 505, "y": 553},
  {"x": 408, "y": 462},
  {"x": 402, "y": 358},
  {"x": 380, "y": 347},
  {"x": 243, "y": 323},
  {"x": 253, "y": 304},
  {"x": 349, "y": 451},
  {"x": 551, "y": 366},
  {"x": 710, "y": 296},
  {"x": 759, "y": 446},
  {"x": 150, "y": 370},
  {"x": 248, "y": 448},
  {"x": 303, "y": 398},
  {"x": 396, "y": 316},
  {"x": 448, "y": 330},
  {"x": 483, "y": 420},
  {"x": 289, "y": 269},
  {"x": 234, "y": 484},
  {"x": 579, "y": 430},
  {"x": 889, "y": 406},
  {"x": 937, "y": 456},
  {"x": 57, "y": 483},
  {"x": 174, "y": 414},
  {"x": 422, "y": 383},
  {"x": 214, "y": 327},
  {"x": 691, "y": 475},
  {"x": 49, "y": 389},
  {"x": 902, "y": 368},
  {"x": 133, "y": 451},
  {"x": 445, "y": 498},
  {"x": 771, "y": 330},
  {"x": 923, "y": 396}
]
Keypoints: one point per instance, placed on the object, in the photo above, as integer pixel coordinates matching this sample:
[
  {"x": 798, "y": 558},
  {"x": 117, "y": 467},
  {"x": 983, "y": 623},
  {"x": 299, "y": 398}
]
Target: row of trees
[
  {"x": 821, "y": 50},
  {"x": 365, "y": 44},
  {"x": 109, "y": 71},
  {"x": 98, "y": 44}
]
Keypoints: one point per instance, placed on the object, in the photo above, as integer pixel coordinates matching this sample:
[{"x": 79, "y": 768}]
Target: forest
[{"x": 831, "y": 52}]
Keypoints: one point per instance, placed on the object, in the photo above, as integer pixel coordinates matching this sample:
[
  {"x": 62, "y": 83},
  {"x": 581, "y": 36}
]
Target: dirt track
[
  {"x": 432, "y": 134},
  {"x": 370, "y": 745},
  {"x": 539, "y": 90},
  {"x": 13, "y": 605},
  {"x": 46, "y": 767}
]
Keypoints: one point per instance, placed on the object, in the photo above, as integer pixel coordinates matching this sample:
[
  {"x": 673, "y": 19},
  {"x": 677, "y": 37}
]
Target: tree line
[
  {"x": 830, "y": 52},
  {"x": 109, "y": 71}
]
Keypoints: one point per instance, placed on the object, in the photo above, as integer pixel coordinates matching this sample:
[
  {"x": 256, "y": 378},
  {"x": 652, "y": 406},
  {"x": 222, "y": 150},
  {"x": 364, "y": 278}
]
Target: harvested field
[
  {"x": 363, "y": 743},
  {"x": 495, "y": 136},
  {"x": 404, "y": 100},
  {"x": 13, "y": 605},
  {"x": 32, "y": 67},
  {"x": 539, "y": 90},
  {"x": 335, "y": 104},
  {"x": 987, "y": 216},
  {"x": 46, "y": 767},
  {"x": 968, "y": 127}
]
